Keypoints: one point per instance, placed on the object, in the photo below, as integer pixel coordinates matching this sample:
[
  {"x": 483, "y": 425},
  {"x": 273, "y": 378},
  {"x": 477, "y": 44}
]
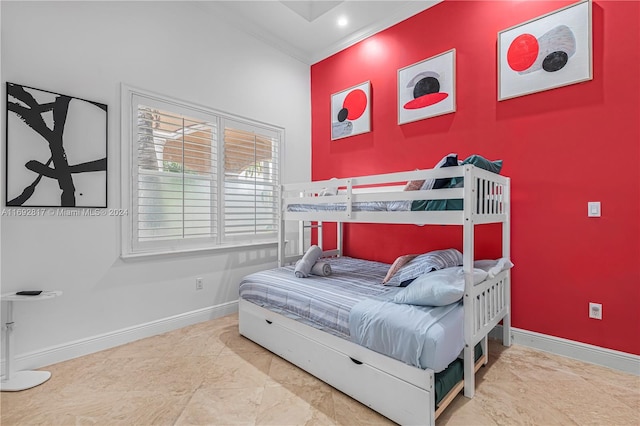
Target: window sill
[{"x": 197, "y": 251}]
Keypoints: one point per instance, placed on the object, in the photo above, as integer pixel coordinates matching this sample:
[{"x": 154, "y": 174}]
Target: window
[{"x": 198, "y": 178}]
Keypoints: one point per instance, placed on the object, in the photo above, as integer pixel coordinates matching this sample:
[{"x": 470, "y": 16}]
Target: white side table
[{"x": 20, "y": 380}]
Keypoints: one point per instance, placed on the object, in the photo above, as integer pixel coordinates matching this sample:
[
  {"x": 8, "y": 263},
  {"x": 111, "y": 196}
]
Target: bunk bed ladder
[
  {"x": 281, "y": 229},
  {"x": 302, "y": 226},
  {"x": 302, "y": 244}
]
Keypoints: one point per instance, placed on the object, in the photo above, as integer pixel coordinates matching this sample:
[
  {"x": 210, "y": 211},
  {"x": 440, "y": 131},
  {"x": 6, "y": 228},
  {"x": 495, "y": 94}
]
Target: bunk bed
[{"x": 402, "y": 392}]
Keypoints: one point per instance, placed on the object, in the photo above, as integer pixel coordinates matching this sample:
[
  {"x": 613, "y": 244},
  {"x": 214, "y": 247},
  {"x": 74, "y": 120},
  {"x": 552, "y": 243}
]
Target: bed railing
[
  {"x": 488, "y": 205},
  {"x": 490, "y": 303},
  {"x": 486, "y": 200}
]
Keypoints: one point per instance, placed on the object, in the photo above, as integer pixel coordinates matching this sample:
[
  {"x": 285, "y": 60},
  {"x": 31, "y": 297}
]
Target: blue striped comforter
[{"x": 324, "y": 302}]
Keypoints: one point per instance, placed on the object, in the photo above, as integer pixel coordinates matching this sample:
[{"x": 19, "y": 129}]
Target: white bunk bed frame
[{"x": 403, "y": 393}]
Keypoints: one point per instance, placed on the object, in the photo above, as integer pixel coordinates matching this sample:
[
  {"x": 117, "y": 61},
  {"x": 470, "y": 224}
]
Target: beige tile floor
[{"x": 207, "y": 374}]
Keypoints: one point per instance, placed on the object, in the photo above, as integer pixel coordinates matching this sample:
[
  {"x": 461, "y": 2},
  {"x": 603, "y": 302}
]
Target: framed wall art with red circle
[
  {"x": 546, "y": 52},
  {"x": 351, "y": 111},
  {"x": 427, "y": 88}
]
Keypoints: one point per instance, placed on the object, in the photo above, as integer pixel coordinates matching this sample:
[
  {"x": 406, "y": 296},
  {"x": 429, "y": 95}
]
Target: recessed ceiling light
[{"x": 342, "y": 21}]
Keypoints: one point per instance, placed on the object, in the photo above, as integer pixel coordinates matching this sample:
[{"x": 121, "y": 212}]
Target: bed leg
[
  {"x": 469, "y": 372},
  {"x": 506, "y": 330},
  {"x": 484, "y": 343}
]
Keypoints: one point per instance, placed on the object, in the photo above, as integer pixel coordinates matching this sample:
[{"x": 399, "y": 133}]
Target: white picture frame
[
  {"x": 547, "y": 52},
  {"x": 427, "y": 88},
  {"x": 351, "y": 111}
]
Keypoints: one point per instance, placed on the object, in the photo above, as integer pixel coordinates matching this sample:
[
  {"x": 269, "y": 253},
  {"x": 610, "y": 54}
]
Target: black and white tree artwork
[{"x": 56, "y": 150}]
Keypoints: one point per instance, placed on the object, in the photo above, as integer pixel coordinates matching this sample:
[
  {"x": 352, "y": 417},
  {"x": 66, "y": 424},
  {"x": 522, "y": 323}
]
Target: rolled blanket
[
  {"x": 304, "y": 265},
  {"x": 331, "y": 190},
  {"x": 502, "y": 264},
  {"x": 322, "y": 269}
]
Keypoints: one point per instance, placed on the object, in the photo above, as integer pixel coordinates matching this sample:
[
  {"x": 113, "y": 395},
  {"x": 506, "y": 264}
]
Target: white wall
[{"x": 87, "y": 49}]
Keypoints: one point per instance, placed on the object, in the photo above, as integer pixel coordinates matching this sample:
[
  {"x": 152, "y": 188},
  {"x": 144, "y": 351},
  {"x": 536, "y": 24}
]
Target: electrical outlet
[
  {"x": 595, "y": 310},
  {"x": 199, "y": 283}
]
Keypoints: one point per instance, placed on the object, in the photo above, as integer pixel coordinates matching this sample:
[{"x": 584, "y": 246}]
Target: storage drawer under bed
[{"x": 393, "y": 397}]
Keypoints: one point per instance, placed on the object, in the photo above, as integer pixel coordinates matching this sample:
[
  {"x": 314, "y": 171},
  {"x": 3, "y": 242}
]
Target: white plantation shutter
[
  {"x": 250, "y": 181},
  {"x": 200, "y": 179}
]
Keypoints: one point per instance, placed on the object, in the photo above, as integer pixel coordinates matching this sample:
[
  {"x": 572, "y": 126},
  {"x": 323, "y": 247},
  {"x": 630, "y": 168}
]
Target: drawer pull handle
[
  {"x": 269, "y": 322},
  {"x": 355, "y": 361}
]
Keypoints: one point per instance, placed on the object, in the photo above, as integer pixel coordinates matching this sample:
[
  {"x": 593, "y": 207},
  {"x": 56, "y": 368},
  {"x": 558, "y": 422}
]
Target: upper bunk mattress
[
  {"x": 371, "y": 206},
  {"x": 349, "y": 304}
]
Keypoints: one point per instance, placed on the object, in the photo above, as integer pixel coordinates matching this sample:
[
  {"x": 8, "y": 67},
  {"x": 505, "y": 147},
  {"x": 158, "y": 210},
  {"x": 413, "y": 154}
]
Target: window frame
[{"x": 129, "y": 141}]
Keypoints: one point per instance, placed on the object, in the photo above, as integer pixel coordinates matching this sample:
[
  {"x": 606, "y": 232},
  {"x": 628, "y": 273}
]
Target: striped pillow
[
  {"x": 427, "y": 262},
  {"x": 413, "y": 185},
  {"x": 397, "y": 264}
]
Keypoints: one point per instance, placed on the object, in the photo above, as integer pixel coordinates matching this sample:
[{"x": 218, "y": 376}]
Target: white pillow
[{"x": 437, "y": 288}]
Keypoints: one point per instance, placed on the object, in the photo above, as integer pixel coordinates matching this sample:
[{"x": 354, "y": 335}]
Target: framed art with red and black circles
[
  {"x": 351, "y": 111},
  {"x": 427, "y": 88},
  {"x": 546, "y": 52}
]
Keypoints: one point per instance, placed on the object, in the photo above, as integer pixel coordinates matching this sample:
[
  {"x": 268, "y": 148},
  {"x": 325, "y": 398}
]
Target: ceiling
[{"x": 309, "y": 30}]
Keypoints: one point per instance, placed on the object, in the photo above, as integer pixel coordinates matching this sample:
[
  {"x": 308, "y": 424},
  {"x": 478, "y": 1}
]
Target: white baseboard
[
  {"x": 581, "y": 351},
  {"x": 617, "y": 360},
  {"x": 67, "y": 351}
]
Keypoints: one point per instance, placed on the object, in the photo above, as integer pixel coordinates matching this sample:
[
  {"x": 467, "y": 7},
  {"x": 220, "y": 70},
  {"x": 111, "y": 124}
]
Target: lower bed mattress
[{"x": 343, "y": 305}]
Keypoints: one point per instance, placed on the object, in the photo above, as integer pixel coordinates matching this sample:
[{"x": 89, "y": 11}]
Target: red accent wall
[{"x": 561, "y": 148}]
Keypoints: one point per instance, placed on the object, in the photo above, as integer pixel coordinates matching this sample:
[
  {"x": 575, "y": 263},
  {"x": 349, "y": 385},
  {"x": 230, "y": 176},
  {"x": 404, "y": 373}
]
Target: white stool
[{"x": 20, "y": 380}]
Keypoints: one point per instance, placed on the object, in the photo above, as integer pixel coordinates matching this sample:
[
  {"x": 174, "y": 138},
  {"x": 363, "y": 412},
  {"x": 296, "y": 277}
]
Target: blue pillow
[
  {"x": 437, "y": 288},
  {"x": 483, "y": 163},
  {"x": 451, "y": 161},
  {"x": 458, "y": 182}
]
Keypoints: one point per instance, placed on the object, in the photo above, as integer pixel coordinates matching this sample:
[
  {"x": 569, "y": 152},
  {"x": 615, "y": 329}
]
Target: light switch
[{"x": 594, "y": 208}]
